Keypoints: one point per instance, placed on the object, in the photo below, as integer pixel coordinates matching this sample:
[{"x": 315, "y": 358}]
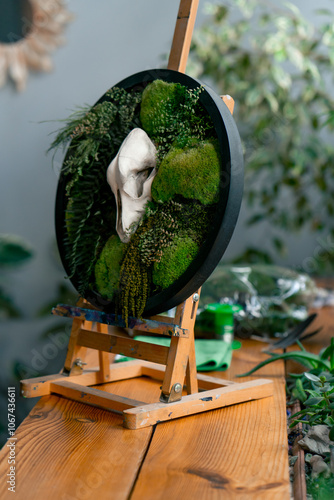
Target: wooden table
[{"x": 66, "y": 450}]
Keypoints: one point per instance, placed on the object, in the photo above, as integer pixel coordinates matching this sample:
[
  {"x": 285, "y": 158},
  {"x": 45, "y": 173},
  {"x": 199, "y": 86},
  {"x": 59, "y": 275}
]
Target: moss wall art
[{"x": 140, "y": 183}]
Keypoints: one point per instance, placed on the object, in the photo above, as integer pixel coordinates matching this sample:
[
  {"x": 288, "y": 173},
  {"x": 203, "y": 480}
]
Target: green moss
[
  {"x": 108, "y": 266},
  {"x": 192, "y": 172},
  {"x": 175, "y": 261},
  {"x": 172, "y": 112},
  {"x": 159, "y": 99}
]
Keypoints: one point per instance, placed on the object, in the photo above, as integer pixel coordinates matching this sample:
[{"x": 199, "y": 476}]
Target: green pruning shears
[{"x": 223, "y": 319}]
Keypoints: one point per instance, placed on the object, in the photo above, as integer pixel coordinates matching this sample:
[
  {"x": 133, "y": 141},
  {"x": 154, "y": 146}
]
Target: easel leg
[
  {"x": 191, "y": 372},
  {"x": 104, "y": 357},
  {"x": 182, "y": 35},
  {"x": 75, "y": 354},
  {"x": 177, "y": 362},
  {"x": 181, "y": 358}
]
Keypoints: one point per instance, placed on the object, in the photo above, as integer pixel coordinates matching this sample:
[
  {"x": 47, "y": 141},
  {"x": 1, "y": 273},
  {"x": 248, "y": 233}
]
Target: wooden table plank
[
  {"x": 67, "y": 450},
  {"x": 236, "y": 452}
]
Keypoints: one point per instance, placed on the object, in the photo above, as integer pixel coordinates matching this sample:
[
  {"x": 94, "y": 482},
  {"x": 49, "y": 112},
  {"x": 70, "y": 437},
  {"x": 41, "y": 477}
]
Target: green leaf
[
  {"x": 314, "y": 419},
  {"x": 280, "y": 246},
  {"x": 325, "y": 388},
  {"x": 253, "y": 97},
  {"x": 7, "y": 307},
  {"x": 293, "y": 8},
  {"x": 296, "y": 57},
  {"x": 327, "y": 352},
  {"x": 255, "y": 219},
  {"x": 301, "y": 412},
  {"x": 298, "y": 391},
  {"x": 312, "y": 393},
  {"x": 324, "y": 12},
  {"x": 13, "y": 250},
  {"x": 294, "y": 423},
  {"x": 312, "y": 377},
  {"x": 252, "y": 255},
  {"x": 300, "y": 357},
  {"x": 313, "y": 401},
  {"x": 331, "y": 433},
  {"x": 282, "y": 78},
  {"x": 273, "y": 102}
]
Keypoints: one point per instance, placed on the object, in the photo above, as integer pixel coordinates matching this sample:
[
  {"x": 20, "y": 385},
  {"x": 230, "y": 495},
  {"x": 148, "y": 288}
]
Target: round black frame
[{"x": 230, "y": 196}]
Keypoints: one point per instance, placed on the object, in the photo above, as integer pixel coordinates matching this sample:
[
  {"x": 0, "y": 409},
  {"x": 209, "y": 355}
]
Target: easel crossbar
[
  {"x": 41, "y": 386},
  {"x": 218, "y": 393},
  {"x": 151, "y": 414},
  {"x": 160, "y": 325},
  {"x": 125, "y": 346},
  {"x": 94, "y": 397}
]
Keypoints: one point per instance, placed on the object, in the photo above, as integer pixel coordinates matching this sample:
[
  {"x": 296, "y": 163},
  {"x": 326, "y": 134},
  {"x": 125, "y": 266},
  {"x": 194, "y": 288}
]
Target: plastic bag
[{"x": 273, "y": 299}]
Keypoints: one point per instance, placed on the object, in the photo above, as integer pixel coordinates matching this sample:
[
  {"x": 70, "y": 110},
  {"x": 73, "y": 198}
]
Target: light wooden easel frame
[{"x": 103, "y": 332}]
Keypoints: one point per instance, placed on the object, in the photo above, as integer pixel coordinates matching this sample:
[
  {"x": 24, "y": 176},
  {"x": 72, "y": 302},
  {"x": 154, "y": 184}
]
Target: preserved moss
[
  {"x": 193, "y": 172},
  {"x": 171, "y": 112},
  {"x": 174, "y": 261},
  {"x": 108, "y": 267},
  {"x": 160, "y": 101}
]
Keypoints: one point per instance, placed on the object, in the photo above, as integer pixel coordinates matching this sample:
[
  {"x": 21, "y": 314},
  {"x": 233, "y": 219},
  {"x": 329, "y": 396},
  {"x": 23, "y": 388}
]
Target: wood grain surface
[
  {"x": 185, "y": 23},
  {"x": 67, "y": 450},
  {"x": 237, "y": 452}
]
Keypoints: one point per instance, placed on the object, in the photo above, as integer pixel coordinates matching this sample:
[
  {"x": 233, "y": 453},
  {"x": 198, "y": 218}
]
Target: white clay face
[{"x": 130, "y": 176}]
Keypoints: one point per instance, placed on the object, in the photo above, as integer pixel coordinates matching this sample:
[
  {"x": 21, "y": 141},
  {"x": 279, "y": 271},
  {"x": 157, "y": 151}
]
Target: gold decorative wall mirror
[{"x": 29, "y": 31}]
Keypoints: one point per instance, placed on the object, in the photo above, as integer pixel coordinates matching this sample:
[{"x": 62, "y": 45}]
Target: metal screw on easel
[
  {"x": 177, "y": 387},
  {"x": 78, "y": 362},
  {"x": 195, "y": 300}
]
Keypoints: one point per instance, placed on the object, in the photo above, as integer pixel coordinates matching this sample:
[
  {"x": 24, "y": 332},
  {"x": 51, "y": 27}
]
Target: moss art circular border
[{"x": 168, "y": 291}]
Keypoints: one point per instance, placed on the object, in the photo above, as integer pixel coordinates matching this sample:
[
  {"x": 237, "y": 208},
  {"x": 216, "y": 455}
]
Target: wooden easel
[{"x": 103, "y": 332}]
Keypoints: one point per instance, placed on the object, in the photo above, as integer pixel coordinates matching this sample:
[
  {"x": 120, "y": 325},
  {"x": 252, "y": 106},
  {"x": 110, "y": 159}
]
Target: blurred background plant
[
  {"x": 53, "y": 336},
  {"x": 14, "y": 251},
  {"x": 277, "y": 66}
]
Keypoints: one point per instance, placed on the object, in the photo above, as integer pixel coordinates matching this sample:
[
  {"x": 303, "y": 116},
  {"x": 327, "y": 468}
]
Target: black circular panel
[{"x": 230, "y": 195}]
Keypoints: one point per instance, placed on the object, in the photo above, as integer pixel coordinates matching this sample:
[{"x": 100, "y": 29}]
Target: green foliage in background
[
  {"x": 14, "y": 251},
  {"x": 319, "y": 403},
  {"x": 278, "y": 67},
  {"x": 314, "y": 388}
]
